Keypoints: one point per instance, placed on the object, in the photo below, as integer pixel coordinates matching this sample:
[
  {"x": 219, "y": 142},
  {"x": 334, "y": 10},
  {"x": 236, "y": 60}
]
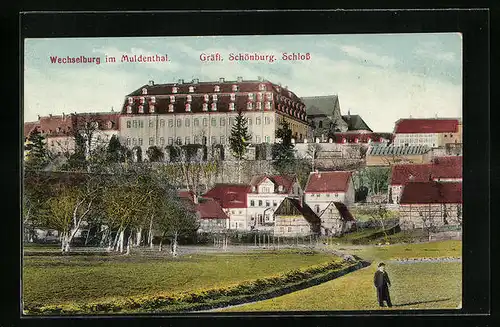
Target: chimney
[
  {"x": 151, "y": 83},
  {"x": 221, "y": 80},
  {"x": 180, "y": 81},
  {"x": 196, "y": 80},
  {"x": 38, "y": 117},
  {"x": 50, "y": 115},
  {"x": 239, "y": 79}
]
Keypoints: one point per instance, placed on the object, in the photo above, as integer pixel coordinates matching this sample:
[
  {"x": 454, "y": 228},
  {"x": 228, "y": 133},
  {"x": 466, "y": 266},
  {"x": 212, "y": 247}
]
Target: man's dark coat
[{"x": 382, "y": 283}]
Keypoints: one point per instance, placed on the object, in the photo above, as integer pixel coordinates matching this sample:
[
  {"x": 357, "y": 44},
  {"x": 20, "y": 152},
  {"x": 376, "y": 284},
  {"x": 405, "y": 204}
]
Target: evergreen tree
[
  {"x": 238, "y": 141},
  {"x": 154, "y": 154},
  {"x": 37, "y": 156},
  {"x": 116, "y": 152},
  {"x": 77, "y": 160},
  {"x": 283, "y": 153}
]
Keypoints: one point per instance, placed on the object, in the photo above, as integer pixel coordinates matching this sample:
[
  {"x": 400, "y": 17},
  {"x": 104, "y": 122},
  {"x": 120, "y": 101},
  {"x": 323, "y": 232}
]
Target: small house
[
  {"x": 293, "y": 218},
  {"x": 336, "y": 219}
]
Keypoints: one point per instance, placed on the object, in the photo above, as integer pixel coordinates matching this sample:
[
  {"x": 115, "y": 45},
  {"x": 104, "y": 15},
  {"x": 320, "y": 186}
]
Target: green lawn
[
  {"x": 414, "y": 286},
  {"x": 57, "y": 280}
]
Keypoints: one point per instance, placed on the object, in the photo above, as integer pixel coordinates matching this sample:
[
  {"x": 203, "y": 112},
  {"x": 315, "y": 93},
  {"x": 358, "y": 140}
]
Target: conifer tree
[
  {"x": 37, "y": 156},
  {"x": 238, "y": 141},
  {"x": 283, "y": 152}
]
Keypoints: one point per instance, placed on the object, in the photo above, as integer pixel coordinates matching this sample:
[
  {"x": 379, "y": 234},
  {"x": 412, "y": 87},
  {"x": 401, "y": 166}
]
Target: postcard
[{"x": 271, "y": 173}]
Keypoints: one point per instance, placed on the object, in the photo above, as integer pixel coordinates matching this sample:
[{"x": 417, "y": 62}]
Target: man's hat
[{"x": 381, "y": 264}]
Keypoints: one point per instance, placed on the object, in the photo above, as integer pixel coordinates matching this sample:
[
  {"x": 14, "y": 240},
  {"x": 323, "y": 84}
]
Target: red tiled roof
[
  {"x": 328, "y": 181},
  {"x": 186, "y": 195},
  {"x": 285, "y": 181},
  {"x": 431, "y": 192},
  {"x": 62, "y": 125},
  {"x": 409, "y": 126},
  {"x": 404, "y": 173},
  {"x": 229, "y": 195},
  {"x": 351, "y": 137},
  {"x": 211, "y": 209},
  {"x": 451, "y": 160}
]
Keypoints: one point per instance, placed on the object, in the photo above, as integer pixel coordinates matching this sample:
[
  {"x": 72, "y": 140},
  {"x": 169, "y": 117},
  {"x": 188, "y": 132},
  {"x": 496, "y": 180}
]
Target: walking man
[{"x": 382, "y": 283}]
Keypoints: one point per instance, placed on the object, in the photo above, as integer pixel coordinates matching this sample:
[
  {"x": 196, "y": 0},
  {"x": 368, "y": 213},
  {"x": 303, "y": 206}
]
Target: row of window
[
  {"x": 259, "y": 96},
  {"x": 261, "y": 203},
  {"x": 187, "y": 140},
  {"x": 196, "y": 122},
  {"x": 191, "y": 89}
]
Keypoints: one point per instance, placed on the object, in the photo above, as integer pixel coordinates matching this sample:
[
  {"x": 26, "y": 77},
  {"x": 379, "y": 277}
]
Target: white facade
[
  {"x": 431, "y": 140},
  {"x": 213, "y": 225},
  {"x": 238, "y": 218},
  {"x": 319, "y": 201},
  {"x": 287, "y": 226},
  {"x": 192, "y": 128},
  {"x": 265, "y": 200}
]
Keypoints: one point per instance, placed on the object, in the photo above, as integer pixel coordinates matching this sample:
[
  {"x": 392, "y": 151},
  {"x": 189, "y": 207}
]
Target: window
[
  {"x": 257, "y": 139},
  {"x": 170, "y": 123},
  {"x": 196, "y": 122},
  {"x": 282, "y": 229},
  {"x": 187, "y": 122},
  {"x": 234, "y": 88},
  {"x": 213, "y": 140},
  {"x": 317, "y": 195},
  {"x": 217, "y": 88},
  {"x": 179, "y": 123},
  {"x": 170, "y": 141},
  {"x": 231, "y": 121},
  {"x": 267, "y": 217},
  {"x": 140, "y": 141},
  {"x": 268, "y": 105},
  {"x": 317, "y": 208},
  {"x": 275, "y": 204},
  {"x": 162, "y": 123},
  {"x": 151, "y": 123},
  {"x": 174, "y": 90},
  {"x": 269, "y": 96},
  {"x": 179, "y": 141},
  {"x": 187, "y": 140},
  {"x": 170, "y": 108},
  {"x": 223, "y": 121},
  {"x": 213, "y": 122},
  {"x": 205, "y": 107},
  {"x": 231, "y": 106},
  {"x": 262, "y": 87},
  {"x": 129, "y": 124},
  {"x": 222, "y": 140},
  {"x": 188, "y": 107},
  {"x": 134, "y": 123},
  {"x": 258, "y": 105},
  {"x": 260, "y": 203},
  {"x": 196, "y": 140},
  {"x": 268, "y": 139},
  {"x": 162, "y": 141},
  {"x": 129, "y": 109},
  {"x": 257, "y": 121},
  {"x": 189, "y": 98},
  {"x": 252, "y": 203},
  {"x": 214, "y": 106},
  {"x": 151, "y": 141},
  {"x": 268, "y": 203},
  {"x": 336, "y": 195},
  {"x": 191, "y": 89},
  {"x": 250, "y": 96},
  {"x": 134, "y": 141},
  {"x": 205, "y": 122},
  {"x": 289, "y": 229},
  {"x": 128, "y": 141},
  {"x": 267, "y": 120},
  {"x": 327, "y": 195},
  {"x": 130, "y": 100},
  {"x": 153, "y": 99},
  {"x": 214, "y": 97},
  {"x": 142, "y": 99},
  {"x": 233, "y": 97}
]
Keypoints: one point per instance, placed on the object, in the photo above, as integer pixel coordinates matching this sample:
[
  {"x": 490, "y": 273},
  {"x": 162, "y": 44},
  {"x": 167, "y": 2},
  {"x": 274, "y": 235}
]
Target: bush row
[{"x": 215, "y": 297}]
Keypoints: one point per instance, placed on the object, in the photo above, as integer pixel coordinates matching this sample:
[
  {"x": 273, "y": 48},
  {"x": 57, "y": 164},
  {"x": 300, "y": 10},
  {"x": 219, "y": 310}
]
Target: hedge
[{"x": 249, "y": 291}]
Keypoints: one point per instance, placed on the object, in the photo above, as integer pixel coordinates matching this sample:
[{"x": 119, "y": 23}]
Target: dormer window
[
  {"x": 205, "y": 107},
  {"x": 172, "y": 98},
  {"x": 189, "y": 98},
  {"x": 233, "y": 97},
  {"x": 262, "y": 87},
  {"x": 216, "y": 88},
  {"x": 153, "y": 99},
  {"x": 110, "y": 124},
  {"x": 278, "y": 89},
  {"x": 144, "y": 91},
  {"x": 250, "y": 105},
  {"x": 254, "y": 189},
  {"x": 143, "y": 99},
  {"x": 191, "y": 89},
  {"x": 234, "y": 88},
  {"x": 231, "y": 106},
  {"x": 141, "y": 109},
  {"x": 280, "y": 188},
  {"x": 269, "y": 96},
  {"x": 129, "y": 109},
  {"x": 151, "y": 108},
  {"x": 268, "y": 105},
  {"x": 170, "y": 108},
  {"x": 214, "y": 106},
  {"x": 174, "y": 89},
  {"x": 205, "y": 97},
  {"x": 250, "y": 96},
  {"x": 130, "y": 100},
  {"x": 214, "y": 97},
  {"x": 258, "y": 105},
  {"x": 259, "y": 96},
  {"x": 188, "y": 107}
]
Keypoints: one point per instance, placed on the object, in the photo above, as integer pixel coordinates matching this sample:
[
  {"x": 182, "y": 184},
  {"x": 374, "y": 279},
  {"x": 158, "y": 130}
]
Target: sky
[{"x": 381, "y": 77}]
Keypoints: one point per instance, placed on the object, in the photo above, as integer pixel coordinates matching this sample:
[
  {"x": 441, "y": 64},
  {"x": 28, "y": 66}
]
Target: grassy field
[
  {"x": 414, "y": 286},
  {"x": 56, "y": 280}
]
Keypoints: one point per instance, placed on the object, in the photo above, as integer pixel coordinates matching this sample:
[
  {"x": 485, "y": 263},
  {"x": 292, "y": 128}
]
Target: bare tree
[{"x": 312, "y": 151}]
